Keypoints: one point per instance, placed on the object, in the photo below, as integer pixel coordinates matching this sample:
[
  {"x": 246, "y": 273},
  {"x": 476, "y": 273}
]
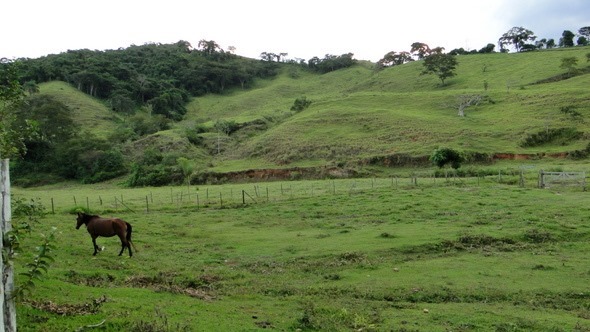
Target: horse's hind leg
[
  {"x": 95, "y": 246},
  {"x": 125, "y": 243}
]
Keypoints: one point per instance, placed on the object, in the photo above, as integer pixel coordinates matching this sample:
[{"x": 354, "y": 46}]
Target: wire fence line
[{"x": 145, "y": 200}]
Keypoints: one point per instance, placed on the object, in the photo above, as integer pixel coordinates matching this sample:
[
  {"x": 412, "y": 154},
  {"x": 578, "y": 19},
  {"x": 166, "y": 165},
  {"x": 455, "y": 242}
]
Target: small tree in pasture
[
  {"x": 440, "y": 64},
  {"x": 569, "y": 64},
  {"x": 464, "y": 101},
  {"x": 443, "y": 156},
  {"x": 188, "y": 168}
]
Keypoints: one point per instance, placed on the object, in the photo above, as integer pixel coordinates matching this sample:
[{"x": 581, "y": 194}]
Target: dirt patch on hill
[
  {"x": 343, "y": 172},
  {"x": 529, "y": 156},
  {"x": 66, "y": 309},
  {"x": 270, "y": 174}
]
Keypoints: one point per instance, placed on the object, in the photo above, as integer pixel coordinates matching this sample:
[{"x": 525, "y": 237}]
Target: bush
[
  {"x": 553, "y": 135},
  {"x": 442, "y": 156},
  {"x": 153, "y": 175},
  {"x": 300, "y": 104},
  {"x": 226, "y": 126}
]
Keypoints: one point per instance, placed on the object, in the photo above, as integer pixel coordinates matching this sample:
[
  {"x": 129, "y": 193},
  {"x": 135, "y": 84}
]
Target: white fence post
[{"x": 8, "y": 301}]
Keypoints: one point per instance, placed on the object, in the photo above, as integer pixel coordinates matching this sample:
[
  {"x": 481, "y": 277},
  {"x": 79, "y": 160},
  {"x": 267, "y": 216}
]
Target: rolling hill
[{"x": 360, "y": 114}]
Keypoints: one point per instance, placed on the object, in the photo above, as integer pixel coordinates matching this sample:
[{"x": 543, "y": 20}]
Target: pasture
[{"x": 337, "y": 255}]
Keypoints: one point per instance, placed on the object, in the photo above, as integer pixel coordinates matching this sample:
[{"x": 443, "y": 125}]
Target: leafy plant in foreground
[
  {"x": 27, "y": 213},
  {"x": 38, "y": 267}
]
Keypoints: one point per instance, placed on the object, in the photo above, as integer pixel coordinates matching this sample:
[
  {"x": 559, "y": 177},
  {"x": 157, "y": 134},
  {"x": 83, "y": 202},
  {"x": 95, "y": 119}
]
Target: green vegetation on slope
[{"x": 359, "y": 113}]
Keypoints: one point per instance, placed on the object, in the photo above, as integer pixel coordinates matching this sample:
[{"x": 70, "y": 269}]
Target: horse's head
[{"x": 81, "y": 220}]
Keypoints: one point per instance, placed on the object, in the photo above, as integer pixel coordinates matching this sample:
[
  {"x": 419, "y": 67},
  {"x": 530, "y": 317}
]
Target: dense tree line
[
  {"x": 316, "y": 64},
  {"x": 161, "y": 75}
]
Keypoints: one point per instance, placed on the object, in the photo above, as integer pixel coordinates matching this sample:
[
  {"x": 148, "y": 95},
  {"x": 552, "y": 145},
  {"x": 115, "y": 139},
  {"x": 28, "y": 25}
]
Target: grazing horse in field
[{"x": 107, "y": 227}]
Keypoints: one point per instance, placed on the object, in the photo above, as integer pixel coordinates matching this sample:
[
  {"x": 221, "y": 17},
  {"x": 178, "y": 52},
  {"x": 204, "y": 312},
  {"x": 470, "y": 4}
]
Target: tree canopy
[
  {"x": 567, "y": 39},
  {"x": 394, "y": 59},
  {"x": 442, "y": 156},
  {"x": 440, "y": 64},
  {"x": 518, "y": 37},
  {"x": 12, "y": 94}
]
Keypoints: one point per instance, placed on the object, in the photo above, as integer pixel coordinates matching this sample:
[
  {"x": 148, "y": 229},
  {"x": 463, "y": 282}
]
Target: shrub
[
  {"x": 442, "y": 156},
  {"x": 153, "y": 175},
  {"x": 553, "y": 135},
  {"x": 300, "y": 104},
  {"x": 571, "y": 111},
  {"x": 226, "y": 126}
]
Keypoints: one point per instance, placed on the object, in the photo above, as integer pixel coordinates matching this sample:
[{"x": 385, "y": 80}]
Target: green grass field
[
  {"x": 339, "y": 255},
  {"x": 377, "y": 253}
]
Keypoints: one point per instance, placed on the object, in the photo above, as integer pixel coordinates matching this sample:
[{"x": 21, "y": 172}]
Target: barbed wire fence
[{"x": 197, "y": 197}]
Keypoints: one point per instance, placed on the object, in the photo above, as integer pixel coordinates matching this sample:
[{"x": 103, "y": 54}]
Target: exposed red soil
[
  {"x": 523, "y": 156},
  {"x": 322, "y": 172}
]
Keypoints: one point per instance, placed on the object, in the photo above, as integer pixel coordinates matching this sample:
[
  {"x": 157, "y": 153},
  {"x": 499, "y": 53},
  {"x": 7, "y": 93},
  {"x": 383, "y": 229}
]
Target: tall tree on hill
[
  {"x": 567, "y": 39},
  {"x": 420, "y": 50},
  {"x": 440, "y": 64},
  {"x": 267, "y": 56},
  {"x": 518, "y": 37},
  {"x": 209, "y": 47},
  {"x": 393, "y": 59}
]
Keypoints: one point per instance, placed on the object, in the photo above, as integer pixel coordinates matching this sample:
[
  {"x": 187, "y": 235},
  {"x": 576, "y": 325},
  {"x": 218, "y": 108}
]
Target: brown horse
[{"x": 107, "y": 227}]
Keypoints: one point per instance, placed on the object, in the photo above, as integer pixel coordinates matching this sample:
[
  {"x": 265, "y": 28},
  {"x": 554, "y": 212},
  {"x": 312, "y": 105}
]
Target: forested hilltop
[{"x": 161, "y": 75}]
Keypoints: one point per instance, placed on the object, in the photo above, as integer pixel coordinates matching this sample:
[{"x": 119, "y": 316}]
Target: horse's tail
[{"x": 128, "y": 237}]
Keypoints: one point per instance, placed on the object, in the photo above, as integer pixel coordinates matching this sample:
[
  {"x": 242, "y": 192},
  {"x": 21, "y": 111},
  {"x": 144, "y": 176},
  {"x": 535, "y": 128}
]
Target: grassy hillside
[
  {"x": 359, "y": 113},
  {"x": 89, "y": 113}
]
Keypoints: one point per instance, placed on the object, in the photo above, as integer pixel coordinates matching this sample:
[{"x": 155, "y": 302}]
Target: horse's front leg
[{"x": 95, "y": 246}]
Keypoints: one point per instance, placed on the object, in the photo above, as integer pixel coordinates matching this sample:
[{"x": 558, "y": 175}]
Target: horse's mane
[{"x": 89, "y": 216}]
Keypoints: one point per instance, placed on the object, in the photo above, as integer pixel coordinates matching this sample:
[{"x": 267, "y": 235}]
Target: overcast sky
[{"x": 302, "y": 28}]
